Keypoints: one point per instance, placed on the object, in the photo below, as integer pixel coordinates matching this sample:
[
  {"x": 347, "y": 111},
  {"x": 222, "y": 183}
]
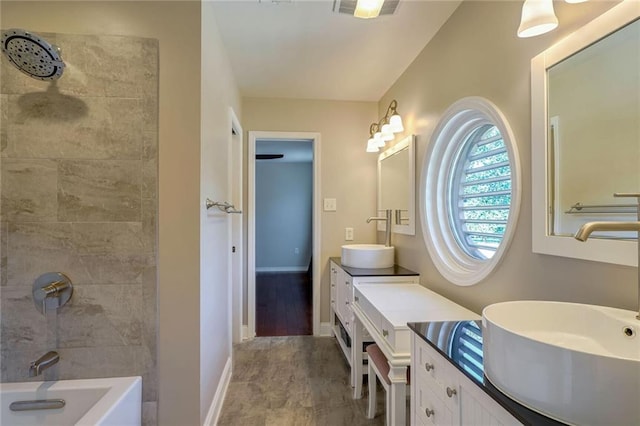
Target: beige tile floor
[{"x": 293, "y": 381}]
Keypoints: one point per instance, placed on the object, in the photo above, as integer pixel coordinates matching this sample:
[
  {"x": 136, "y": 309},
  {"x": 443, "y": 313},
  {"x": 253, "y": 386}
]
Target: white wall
[
  {"x": 219, "y": 92},
  {"x": 284, "y": 194},
  {"x": 477, "y": 53}
]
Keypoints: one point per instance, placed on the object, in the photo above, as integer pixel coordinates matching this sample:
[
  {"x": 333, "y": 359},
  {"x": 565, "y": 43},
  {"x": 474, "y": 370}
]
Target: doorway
[{"x": 283, "y": 234}]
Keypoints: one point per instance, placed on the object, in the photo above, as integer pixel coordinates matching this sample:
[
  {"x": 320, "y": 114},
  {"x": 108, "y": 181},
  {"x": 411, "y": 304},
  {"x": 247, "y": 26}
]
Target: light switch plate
[{"x": 329, "y": 204}]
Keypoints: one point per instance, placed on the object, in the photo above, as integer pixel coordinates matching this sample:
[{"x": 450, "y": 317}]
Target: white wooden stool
[{"x": 378, "y": 366}]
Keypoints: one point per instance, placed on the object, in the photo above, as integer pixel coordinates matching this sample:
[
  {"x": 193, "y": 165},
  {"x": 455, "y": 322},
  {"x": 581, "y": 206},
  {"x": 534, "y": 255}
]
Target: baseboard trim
[
  {"x": 218, "y": 398},
  {"x": 325, "y": 329},
  {"x": 245, "y": 332},
  {"x": 282, "y": 268}
]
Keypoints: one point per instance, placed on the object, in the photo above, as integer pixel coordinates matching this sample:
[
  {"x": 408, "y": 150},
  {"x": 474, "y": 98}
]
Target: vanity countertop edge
[
  {"x": 519, "y": 411},
  {"x": 395, "y": 270}
]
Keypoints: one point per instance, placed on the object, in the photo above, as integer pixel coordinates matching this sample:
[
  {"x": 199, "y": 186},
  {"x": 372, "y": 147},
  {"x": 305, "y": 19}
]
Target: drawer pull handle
[
  {"x": 451, "y": 392},
  {"x": 356, "y": 298},
  {"x": 346, "y": 283},
  {"x": 429, "y": 367},
  {"x": 429, "y": 412},
  {"x": 385, "y": 333},
  {"x": 346, "y": 303},
  {"x": 347, "y": 323}
]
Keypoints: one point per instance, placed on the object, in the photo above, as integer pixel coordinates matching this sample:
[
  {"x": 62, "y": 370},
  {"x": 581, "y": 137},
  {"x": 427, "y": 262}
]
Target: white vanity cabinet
[
  {"x": 343, "y": 280},
  {"x": 442, "y": 395}
]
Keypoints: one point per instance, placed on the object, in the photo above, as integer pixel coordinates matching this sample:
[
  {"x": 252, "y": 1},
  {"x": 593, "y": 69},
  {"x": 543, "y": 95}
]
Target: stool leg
[
  {"x": 388, "y": 410},
  {"x": 372, "y": 392}
]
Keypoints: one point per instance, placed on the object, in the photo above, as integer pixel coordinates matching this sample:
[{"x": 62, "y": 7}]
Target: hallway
[
  {"x": 283, "y": 304},
  {"x": 293, "y": 381}
]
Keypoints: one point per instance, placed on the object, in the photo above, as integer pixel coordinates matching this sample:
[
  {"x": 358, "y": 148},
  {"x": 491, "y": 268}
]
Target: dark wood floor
[{"x": 283, "y": 304}]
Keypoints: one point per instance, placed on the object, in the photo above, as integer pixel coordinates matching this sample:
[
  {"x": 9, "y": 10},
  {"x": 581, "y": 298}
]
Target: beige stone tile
[
  {"x": 106, "y": 361},
  {"x": 149, "y": 413},
  {"x": 3, "y": 120},
  {"x": 115, "y": 268},
  {"x": 50, "y": 124},
  {"x": 147, "y": 366},
  {"x": 14, "y": 363},
  {"x": 21, "y": 325},
  {"x": 150, "y": 306},
  {"x": 89, "y": 253},
  {"x": 150, "y": 225},
  {"x": 106, "y": 238},
  {"x": 91, "y": 191},
  {"x": 150, "y": 178},
  {"x": 36, "y": 248},
  {"x": 29, "y": 190},
  {"x": 150, "y": 145},
  {"x": 100, "y": 316},
  {"x": 4, "y": 226}
]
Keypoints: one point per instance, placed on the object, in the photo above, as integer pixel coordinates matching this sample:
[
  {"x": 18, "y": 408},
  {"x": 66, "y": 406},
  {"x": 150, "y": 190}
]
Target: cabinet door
[
  {"x": 334, "y": 280},
  {"x": 478, "y": 408},
  {"x": 343, "y": 297}
]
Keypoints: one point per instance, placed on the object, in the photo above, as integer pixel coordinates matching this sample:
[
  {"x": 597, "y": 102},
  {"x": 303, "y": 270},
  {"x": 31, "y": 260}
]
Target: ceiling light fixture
[
  {"x": 368, "y": 8},
  {"x": 383, "y": 131},
  {"x": 537, "y": 18}
]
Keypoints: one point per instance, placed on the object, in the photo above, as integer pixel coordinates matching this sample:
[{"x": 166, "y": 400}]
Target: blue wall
[{"x": 284, "y": 194}]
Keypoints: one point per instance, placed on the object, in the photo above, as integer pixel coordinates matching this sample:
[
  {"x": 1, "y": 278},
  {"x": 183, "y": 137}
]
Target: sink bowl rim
[
  {"x": 367, "y": 256},
  {"x": 374, "y": 247},
  {"x": 621, "y": 315}
]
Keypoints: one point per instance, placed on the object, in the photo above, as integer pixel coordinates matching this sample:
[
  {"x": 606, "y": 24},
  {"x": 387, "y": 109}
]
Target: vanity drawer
[
  {"x": 434, "y": 371},
  {"x": 429, "y": 409},
  {"x": 398, "y": 338},
  {"x": 372, "y": 313}
]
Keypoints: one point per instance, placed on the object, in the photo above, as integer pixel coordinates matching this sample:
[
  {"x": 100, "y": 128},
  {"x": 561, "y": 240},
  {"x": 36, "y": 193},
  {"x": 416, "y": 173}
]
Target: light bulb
[
  {"x": 378, "y": 138},
  {"x": 387, "y": 134},
  {"x": 396, "y": 123},
  {"x": 368, "y": 8},
  {"x": 372, "y": 145}
]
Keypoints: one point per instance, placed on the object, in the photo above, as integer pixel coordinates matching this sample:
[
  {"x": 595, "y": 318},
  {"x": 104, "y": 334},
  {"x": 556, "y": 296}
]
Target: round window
[{"x": 470, "y": 196}]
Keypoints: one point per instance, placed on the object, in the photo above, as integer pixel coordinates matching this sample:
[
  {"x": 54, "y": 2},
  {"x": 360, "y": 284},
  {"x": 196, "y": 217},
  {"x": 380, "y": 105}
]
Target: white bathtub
[{"x": 115, "y": 401}]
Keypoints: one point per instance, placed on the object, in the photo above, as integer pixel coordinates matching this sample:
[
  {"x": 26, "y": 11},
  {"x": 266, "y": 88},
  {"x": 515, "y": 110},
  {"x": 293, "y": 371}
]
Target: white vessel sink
[
  {"x": 579, "y": 364},
  {"x": 370, "y": 256}
]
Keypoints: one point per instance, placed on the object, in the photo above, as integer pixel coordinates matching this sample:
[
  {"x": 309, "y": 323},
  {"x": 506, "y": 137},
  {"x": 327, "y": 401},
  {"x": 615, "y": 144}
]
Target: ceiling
[{"x": 302, "y": 49}]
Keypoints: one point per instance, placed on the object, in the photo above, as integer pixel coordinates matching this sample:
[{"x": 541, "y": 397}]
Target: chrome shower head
[{"x": 32, "y": 55}]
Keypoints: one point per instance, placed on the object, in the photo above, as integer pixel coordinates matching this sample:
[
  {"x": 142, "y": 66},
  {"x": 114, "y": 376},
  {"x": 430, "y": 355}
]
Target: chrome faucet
[
  {"x": 589, "y": 227},
  {"x": 45, "y": 361},
  {"x": 387, "y": 219}
]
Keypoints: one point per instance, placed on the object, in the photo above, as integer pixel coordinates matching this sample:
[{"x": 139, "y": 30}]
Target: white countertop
[{"x": 403, "y": 303}]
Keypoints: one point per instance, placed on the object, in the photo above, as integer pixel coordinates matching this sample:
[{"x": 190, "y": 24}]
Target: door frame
[
  {"x": 236, "y": 281},
  {"x": 251, "y": 228}
]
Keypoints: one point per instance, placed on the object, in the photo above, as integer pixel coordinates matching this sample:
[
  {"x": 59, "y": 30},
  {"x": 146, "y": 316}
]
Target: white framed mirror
[
  {"x": 585, "y": 106},
  {"x": 396, "y": 186}
]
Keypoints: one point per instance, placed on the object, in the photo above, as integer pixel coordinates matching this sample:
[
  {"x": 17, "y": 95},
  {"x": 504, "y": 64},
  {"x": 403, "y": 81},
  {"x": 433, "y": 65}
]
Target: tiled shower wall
[{"x": 79, "y": 196}]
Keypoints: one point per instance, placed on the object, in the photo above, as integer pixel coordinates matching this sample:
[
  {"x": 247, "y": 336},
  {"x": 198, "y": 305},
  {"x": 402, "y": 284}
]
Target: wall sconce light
[
  {"x": 538, "y": 17},
  {"x": 383, "y": 131}
]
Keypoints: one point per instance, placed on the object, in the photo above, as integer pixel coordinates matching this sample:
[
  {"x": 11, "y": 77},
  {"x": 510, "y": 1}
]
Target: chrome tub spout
[{"x": 45, "y": 361}]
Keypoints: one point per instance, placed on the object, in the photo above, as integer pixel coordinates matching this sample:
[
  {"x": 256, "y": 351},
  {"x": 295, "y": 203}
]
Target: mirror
[
  {"x": 586, "y": 137},
  {"x": 396, "y": 186}
]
